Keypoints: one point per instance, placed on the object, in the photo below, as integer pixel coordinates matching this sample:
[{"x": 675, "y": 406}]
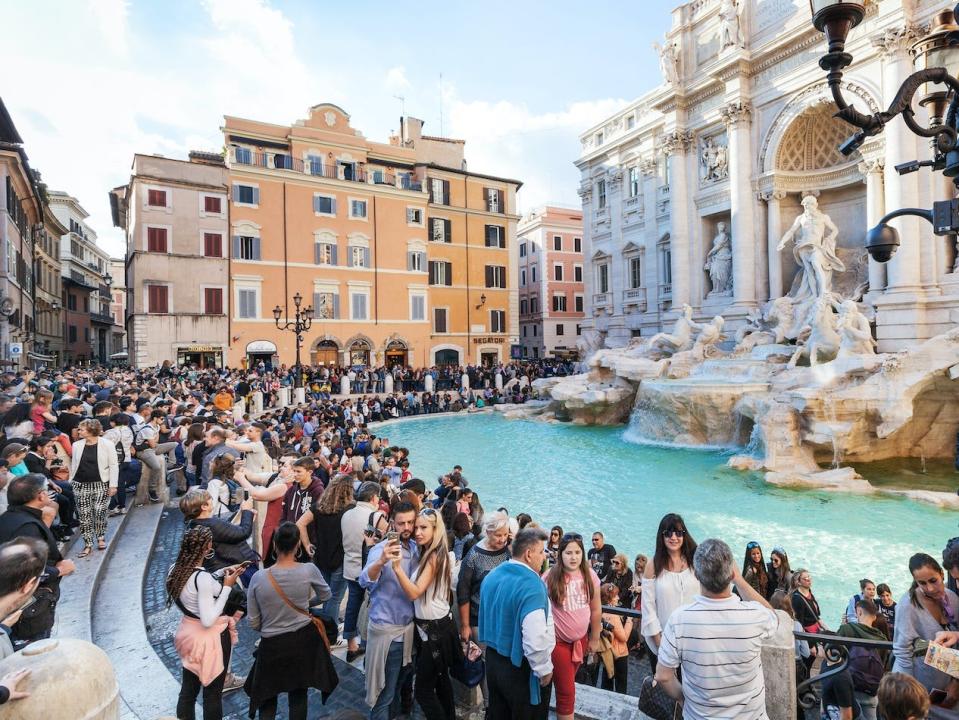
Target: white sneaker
[{"x": 233, "y": 682}]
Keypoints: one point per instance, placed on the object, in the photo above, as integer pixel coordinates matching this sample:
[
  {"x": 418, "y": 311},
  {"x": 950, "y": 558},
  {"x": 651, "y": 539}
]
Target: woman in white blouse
[
  {"x": 94, "y": 472},
  {"x": 668, "y": 581}
]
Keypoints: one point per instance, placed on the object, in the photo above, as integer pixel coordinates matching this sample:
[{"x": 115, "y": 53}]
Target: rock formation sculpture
[
  {"x": 719, "y": 263},
  {"x": 822, "y": 345}
]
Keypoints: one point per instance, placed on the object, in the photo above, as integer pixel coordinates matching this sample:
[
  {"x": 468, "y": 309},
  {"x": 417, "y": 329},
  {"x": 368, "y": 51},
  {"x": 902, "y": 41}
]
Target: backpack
[
  {"x": 866, "y": 669},
  {"x": 370, "y": 533},
  {"x": 138, "y": 444}
]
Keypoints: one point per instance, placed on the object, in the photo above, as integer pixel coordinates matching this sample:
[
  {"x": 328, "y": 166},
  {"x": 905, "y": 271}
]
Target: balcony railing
[
  {"x": 665, "y": 290},
  {"x": 101, "y": 318},
  {"x": 635, "y": 296},
  {"x": 600, "y": 299}
]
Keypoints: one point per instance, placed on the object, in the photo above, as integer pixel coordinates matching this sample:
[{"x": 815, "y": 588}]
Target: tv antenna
[{"x": 402, "y": 105}]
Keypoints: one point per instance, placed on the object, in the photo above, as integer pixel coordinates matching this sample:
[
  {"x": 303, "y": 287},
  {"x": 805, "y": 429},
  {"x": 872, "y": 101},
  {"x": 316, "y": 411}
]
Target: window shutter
[
  {"x": 256, "y": 196},
  {"x": 349, "y": 256},
  {"x": 256, "y": 248},
  {"x": 429, "y": 184},
  {"x": 366, "y": 257},
  {"x": 333, "y": 256},
  {"x": 336, "y": 306},
  {"x": 236, "y": 246},
  {"x": 447, "y": 229},
  {"x": 449, "y": 273},
  {"x": 317, "y": 252},
  {"x": 489, "y": 276},
  {"x": 489, "y": 236},
  {"x": 432, "y": 273},
  {"x": 409, "y": 261},
  {"x": 500, "y": 198},
  {"x": 316, "y": 203},
  {"x": 316, "y": 301},
  {"x": 446, "y": 192}
]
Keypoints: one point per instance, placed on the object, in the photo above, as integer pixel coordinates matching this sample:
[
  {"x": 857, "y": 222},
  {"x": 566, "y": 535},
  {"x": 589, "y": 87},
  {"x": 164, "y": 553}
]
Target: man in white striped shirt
[{"x": 717, "y": 640}]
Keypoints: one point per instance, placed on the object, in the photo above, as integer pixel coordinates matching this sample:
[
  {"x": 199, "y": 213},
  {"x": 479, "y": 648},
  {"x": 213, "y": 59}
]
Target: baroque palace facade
[{"x": 688, "y": 191}]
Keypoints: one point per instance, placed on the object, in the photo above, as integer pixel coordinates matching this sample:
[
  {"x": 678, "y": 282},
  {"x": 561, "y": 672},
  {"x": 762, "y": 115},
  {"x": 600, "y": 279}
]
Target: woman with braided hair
[{"x": 205, "y": 636}]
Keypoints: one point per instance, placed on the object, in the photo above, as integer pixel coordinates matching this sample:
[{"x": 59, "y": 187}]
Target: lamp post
[
  {"x": 303, "y": 320},
  {"x": 938, "y": 59}
]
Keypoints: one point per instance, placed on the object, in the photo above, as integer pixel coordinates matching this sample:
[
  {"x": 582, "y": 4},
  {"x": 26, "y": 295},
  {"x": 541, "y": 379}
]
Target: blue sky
[{"x": 102, "y": 79}]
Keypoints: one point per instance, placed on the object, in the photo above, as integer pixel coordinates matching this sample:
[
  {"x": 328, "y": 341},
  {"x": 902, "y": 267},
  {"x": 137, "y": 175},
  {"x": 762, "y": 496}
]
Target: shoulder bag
[
  {"x": 319, "y": 622},
  {"x": 654, "y": 702}
]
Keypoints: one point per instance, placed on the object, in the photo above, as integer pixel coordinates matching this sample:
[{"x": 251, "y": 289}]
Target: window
[
  {"x": 213, "y": 301},
  {"x": 247, "y": 303},
  {"x": 314, "y": 164},
  {"x": 358, "y": 306},
  {"x": 212, "y": 245},
  {"x": 666, "y": 166},
  {"x": 535, "y": 333},
  {"x": 522, "y": 277},
  {"x": 497, "y": 321},
  {"x": 357, "y": 208},
  {"x": 157, "y": 297},
  {"x": 72, "y": 333},
  {"x": 635, "y": 273},
  {"x": 86, "y": 304},
  {"x": 414, "y": 216},
  {"x": 439, "y": 191},
  {"x": 246, "y": 247},
  {"x": 441, "y": 272},
  {"x": 156, "y": 198},
  {"x": 630, "y": 122},
  {"x": 577, "y": 244},
  {"x": 494, "y": 201},
  {"x": 522, "y": 249},
  {"x": 533, "y": 305},
  {"x": 212, "y": 204},
  {"x": 244, "y": 156},
  {"x": 86, "y": 334},
  {"x": 601, "y": 194},
  {"x": 667, "y": 266},
  {"x": 440, "y": 230},
  {"x": 523, "y": 307},
  {"x": 603, "y": 280},
  {"x": 439, "y": 320},
  {"x": 324, "y": 205},
  {"x": 579, "y": 330},
  {"x": 558, "y": 243},
  {"x": 559, "y": 303},
  {"x": 532, "y": 271},
  {"x": 416, "y": 260},
  {"x": 633, "y": 182},
  {"x": 495, "y": 236},
  {"x": 578, "y": 303},
  {"x": 557, "y": 272},
  {"x": 359, "y": 256},
  {"x": 326, "y": 305},
  {"x": 559, "y": 328},
  {"x": 495, "y": 276},
  {"x": 282, "y": 162},
  {"x": 324, "y": 253},
  {"x": 72, "y": 302},
  {"x": 156, "y": 240},
  {"x": 525, "y": 328},
  {"x": 417, "y": 307},
  {"x": 577, "y": 273},
  {"x": 246, "y": 195}
]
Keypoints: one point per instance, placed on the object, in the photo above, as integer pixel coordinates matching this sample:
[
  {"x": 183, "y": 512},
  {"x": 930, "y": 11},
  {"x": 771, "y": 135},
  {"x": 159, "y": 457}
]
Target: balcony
[
  {"x": 101, "y": 318},
  {"x": 602, "y": 299},
  {"x": 665, "y": 290},
  {"x": 635, "y": 297}
]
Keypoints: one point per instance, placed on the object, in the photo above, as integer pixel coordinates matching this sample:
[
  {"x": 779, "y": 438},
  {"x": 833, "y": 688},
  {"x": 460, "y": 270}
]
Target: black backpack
[{"x": 866, "y": 669}]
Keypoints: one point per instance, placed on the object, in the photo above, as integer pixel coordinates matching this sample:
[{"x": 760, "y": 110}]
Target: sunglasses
[
  {"x": 428, "y": 512},
  {"x": 674, "y": 533},
  {"x": 752, "y": 546},
  {"x": 572, "y": 537}
]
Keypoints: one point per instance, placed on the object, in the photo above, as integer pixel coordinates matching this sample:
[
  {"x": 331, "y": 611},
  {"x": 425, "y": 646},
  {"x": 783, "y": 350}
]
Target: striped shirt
[{"x": 718, "y": 643}]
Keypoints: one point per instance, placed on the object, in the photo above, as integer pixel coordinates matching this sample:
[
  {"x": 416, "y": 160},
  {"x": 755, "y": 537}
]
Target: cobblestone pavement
[{"x": 161, "y": 624}]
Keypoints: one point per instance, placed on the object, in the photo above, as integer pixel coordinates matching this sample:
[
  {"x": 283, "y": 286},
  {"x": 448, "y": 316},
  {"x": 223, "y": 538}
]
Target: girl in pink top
[{"x": 573, "y": 590}]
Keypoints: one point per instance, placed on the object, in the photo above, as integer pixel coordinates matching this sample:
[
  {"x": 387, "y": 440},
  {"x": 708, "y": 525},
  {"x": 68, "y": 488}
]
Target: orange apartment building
[
  {"x": 550, "y": 279},
  {"x": 406, "y": 256}
]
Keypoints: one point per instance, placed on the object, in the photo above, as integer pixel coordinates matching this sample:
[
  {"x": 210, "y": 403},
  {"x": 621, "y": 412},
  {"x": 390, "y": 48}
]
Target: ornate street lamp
[
  {"x": 938, "y": 61},
  {"x": 303, "y": 320}
]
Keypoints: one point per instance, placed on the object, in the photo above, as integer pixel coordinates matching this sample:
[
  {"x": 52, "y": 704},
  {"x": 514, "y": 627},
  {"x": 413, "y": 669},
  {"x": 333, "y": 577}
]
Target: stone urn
[{"x": 64, "y": 673}]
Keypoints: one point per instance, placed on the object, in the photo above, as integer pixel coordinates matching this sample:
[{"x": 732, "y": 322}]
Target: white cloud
[
  {"x": 396, "y": 80},
  {"x": 111, "y": 19}
]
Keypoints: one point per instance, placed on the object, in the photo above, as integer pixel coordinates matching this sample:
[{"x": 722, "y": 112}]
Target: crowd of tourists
[{"x": 310, "y": 526}]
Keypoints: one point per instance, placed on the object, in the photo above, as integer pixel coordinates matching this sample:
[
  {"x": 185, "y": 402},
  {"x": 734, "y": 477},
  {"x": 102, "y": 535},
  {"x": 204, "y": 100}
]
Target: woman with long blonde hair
[{"x": 436, "y": 637}]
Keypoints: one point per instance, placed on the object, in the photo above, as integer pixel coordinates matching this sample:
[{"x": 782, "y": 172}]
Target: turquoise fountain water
[{"x": 587, "y": 479}]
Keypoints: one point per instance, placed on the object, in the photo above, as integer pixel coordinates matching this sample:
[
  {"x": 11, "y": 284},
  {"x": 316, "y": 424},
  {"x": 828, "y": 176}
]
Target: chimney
[{"x": 411, "y": 129}]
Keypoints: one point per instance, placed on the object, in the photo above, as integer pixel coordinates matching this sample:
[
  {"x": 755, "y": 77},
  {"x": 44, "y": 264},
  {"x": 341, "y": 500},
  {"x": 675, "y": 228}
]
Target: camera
[
  {"x": 851, "y": 144},
  {"x": 882, "y": 242}
]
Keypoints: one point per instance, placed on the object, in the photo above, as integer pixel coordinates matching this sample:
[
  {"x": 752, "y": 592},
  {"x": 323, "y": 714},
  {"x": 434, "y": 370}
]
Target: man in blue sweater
[{"x": 517, "y": 627}]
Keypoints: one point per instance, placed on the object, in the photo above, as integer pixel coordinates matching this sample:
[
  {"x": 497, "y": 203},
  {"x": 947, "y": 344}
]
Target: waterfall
[
  {"x": 829, "y": 407},
  {"x": 755, "y": 447}
]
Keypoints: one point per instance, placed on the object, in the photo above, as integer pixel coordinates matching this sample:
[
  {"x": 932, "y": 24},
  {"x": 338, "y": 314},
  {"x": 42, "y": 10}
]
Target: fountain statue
[
  {"x": 822, "y": 343},
  {"x": 855, "y": 335},
  {"x": 719, "y": 263},
  {"x": 680, "y": 339}
]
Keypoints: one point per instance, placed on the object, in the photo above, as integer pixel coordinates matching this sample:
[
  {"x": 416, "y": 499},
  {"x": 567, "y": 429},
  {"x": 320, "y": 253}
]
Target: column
[
  {"x": 736, "y": 115},
  {"x": 872, "y": 170},
  {"x": 900, "y": 190},
  {"x": 675, "y": 146},
  {"x": 651, "y": 269},
  {"x": 774, "y": 233}
]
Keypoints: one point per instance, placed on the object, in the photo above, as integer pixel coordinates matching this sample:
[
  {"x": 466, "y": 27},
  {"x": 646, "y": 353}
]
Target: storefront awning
[{"x": 261, "y": 346}]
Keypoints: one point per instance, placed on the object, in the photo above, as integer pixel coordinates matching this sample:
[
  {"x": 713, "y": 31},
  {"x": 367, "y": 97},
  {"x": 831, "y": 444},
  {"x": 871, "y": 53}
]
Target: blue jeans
[
  {"x": 129, "y": 478},
  {"x": 353, "y": 602},
  {"x": 331, "y": 608},
  {"x": 396, "y": 676}
]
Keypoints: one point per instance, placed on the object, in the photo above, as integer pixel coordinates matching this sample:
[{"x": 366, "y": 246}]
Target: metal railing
[{"x": 836, "y": 654}]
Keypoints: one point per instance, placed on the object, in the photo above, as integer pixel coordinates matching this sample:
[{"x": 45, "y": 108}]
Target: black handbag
[{"x": 654, "y": 702}]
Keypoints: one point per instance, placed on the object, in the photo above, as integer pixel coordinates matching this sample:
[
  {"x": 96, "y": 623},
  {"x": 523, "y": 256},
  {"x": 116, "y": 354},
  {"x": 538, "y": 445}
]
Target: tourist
[
  {"x": 866, "y": 664},
  {"x": 27, "y": 498},
  {"x": 437, "y": 644},
  {"x": 193, "y": 449},
  {"x": 639, "y": 569},
  {"x": 10, "y": 685},
  {"x": 215, "y": 441},
  {"x": 222, "y": 486},
  {"x": 619, "y": 629},
  {"x": 462, "y": 536},
  {"x": 754, "y": 569},
  {"x": 389, "y": 642},
  {"x": 292, "y": 655},
  {"x": 516, "y": 626},
  {"x": 94, "y": 472},
  {"x": 622, "y": 577},
  {"x": 950, "y": 563},
  {"x": 301, "y": 494},
  {"x": 600, "y": 555},
  {"x": 804, "y": 602},
  {"x": 669, "y": 580},
  {"x": 574, "y": 597},
  {"x": 321, "y": 534},
  {"x": 928, "y": 608},
  {"x": 147, "y": 445},
  {"x": 552, "y": 545},
  {"x": 273, "y": 493},
  {"x": 726, "y": 629},
  {"x": 867, "y": 590},
  {"x": 362, "y": 527},
  {"x": 230, "y": 539},
  {"x": 256, "y": 461},
  {"x": 778, "y": 572},
  {"x": 22, "y": 564},
  {"x": 902, "y": 697},
  {"x": 887, "y": 607},
  {"x": 129, "y": 472},
  {"x": 839, "y": 696},
  {"x": 206, "y": 636}
]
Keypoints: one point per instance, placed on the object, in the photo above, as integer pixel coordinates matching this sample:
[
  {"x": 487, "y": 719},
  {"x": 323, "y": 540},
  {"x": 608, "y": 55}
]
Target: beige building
[
  {"x": 175, "y": 216},
  {"x": 48, "y": 345}
]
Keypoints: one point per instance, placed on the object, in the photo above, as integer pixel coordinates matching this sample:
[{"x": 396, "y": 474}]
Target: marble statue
[
  {"x": 680, "y": 339},
  {"x": 710, "y": 336},
  {"x": 714, "y": 161},
  {"x": 668, "y": 61},
  {"x": 814, "y": 236},
  {"x": 730, "y": 32},
  {"x": 589, "y": 342},
  {"x": 855, "y": 335},
  {"x": 822, "y": 344},
  {"x": 719, "y": 263}
]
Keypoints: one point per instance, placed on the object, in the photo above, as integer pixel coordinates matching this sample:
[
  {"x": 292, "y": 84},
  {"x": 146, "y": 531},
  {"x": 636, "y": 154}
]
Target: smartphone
[
  {"x": 936, "y": 697},
  {"x": 392, "y": 536}
]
